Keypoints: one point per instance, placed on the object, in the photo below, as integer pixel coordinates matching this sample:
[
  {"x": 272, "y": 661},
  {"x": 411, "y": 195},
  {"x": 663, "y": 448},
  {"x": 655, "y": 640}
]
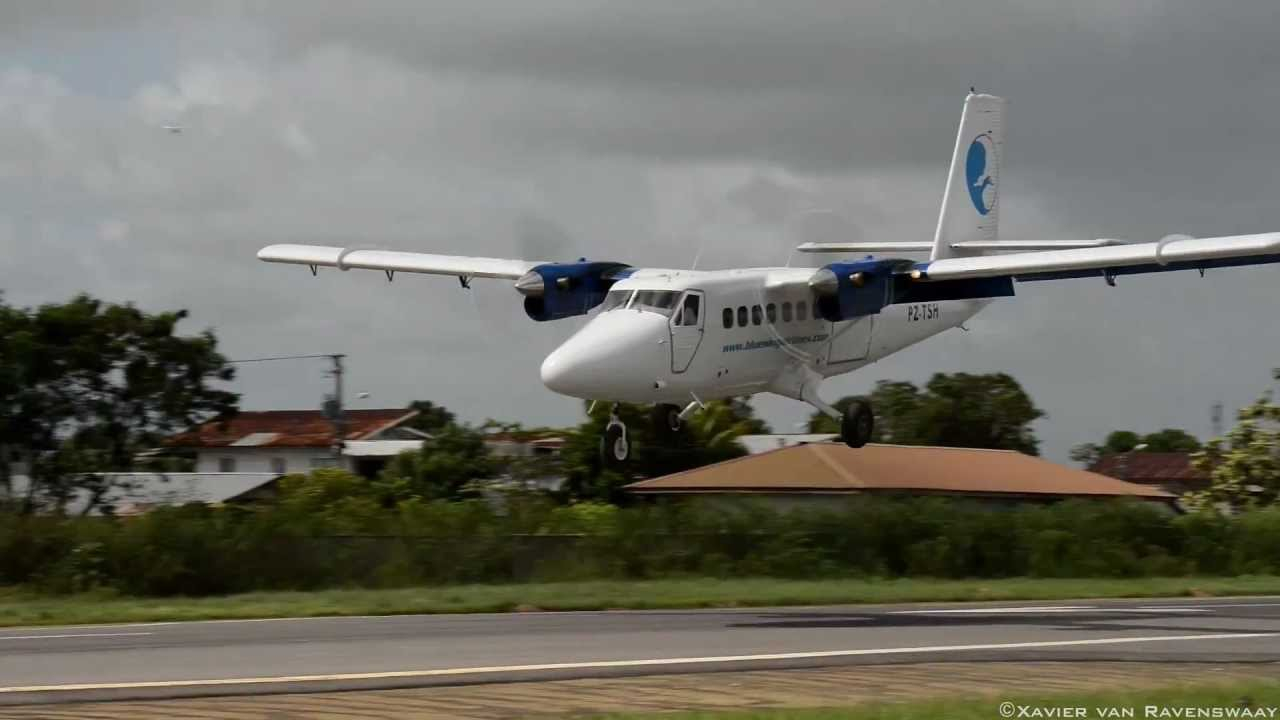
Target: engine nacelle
[
  {"x": 847, "y": 290},
  {"x": 560, "y": 290}
]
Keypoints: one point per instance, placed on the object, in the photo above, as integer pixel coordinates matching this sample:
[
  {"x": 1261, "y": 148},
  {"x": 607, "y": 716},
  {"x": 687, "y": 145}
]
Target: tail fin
[{"x": 970, "y": 210}]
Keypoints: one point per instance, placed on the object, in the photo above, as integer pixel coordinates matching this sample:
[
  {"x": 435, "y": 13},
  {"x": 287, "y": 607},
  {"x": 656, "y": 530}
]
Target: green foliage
[
  {"x": 1243, "y": 467},
  {"x": 332, "y": 529},
  {"x": 953, "y": 410},
  {"x": 1123, "y": 441},
  {"x": 84, "y": 385},
  {"x": 430, "y": 417},
  {"x": 444, "y": 469}
]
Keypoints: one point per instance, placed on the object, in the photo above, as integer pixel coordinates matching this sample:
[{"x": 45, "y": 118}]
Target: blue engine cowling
[
  {"x": 846, "y": 290},
  {"x": 560, "y": 290}
]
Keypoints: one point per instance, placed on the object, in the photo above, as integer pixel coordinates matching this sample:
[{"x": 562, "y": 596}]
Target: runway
[{"x": 160, "y": 660}]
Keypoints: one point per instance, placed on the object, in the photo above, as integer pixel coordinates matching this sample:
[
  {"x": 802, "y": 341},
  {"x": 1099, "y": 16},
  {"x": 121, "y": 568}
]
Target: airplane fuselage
[{"x": 676, "y": 336}]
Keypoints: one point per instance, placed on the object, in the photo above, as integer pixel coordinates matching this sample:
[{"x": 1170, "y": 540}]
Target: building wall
[{"x": 265, "y": 459}]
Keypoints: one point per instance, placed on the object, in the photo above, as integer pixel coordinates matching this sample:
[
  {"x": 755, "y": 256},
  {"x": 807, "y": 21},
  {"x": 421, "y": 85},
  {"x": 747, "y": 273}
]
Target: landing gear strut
[
  {"x": 616, "y": 446},
  {"x": 857, "y": 423}
]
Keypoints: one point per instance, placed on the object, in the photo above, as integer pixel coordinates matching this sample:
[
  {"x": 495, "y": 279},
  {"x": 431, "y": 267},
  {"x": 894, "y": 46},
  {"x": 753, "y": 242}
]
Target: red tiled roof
[
  {"x": 288, "y": 428},
  {"x": 1149, "y": 467},
  {"x": 833, "y": 467}
]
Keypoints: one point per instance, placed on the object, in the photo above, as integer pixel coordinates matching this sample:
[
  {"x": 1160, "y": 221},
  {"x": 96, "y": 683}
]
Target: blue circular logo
[{"x": 980, "y": 173}]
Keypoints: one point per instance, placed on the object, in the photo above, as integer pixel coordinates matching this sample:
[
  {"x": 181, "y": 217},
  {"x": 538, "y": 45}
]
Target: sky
[{"x": 648, "y": 133}]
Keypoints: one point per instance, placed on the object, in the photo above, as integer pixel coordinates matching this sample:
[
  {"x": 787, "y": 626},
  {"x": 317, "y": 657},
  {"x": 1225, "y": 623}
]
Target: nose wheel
[
  {"x": 857, "y": 424},
  {"x": 616, "y": 446}
]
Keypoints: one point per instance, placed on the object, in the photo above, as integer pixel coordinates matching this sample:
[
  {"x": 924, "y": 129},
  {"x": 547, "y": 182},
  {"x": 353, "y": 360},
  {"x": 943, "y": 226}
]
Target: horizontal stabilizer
[{"x": 971, "y": 245}]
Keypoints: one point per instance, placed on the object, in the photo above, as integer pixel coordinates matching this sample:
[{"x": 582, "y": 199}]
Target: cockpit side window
[
  {"x": 615, "y": 299},
  {"x": 690, "y": 310},
  {"x": 659, "y": 301}
]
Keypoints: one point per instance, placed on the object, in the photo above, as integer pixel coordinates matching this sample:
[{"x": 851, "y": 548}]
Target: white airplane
[{"x": 677, "y": 338}]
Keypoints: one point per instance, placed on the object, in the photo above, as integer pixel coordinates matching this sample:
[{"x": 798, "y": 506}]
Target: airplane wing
[
  {"x": 1173, "y": 253},
  {"x": 982, "y": 245},
  {"x": 392, "y": 261}
]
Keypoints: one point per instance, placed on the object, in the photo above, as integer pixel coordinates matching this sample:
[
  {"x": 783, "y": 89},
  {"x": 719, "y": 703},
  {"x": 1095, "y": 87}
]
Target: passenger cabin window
[
  {"x": 771, "y": 312},
  {"x": 615, "y": 299},
  {"x": 658, "y": 301},
  {"x": 816, "y": 314},
  {"x": 690, "y": 311},
  {"x": 786, "y": 312},
  {"x": 742, "y": 316},
  {"x": 756, "y": 315},
  {"x": 801, "y": 311},
  {"x": 728, "y": 318}
]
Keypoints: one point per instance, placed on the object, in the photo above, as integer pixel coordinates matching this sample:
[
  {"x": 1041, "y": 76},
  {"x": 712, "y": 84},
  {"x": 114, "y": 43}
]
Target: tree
[
  {"x": 442, "y": 470},
  {"x": 85, "y": 385},
  {"x": 954, "y": 410},
  {"x": 1243, "y": 467},
  {"x": 430, "y": 417},
  {"x": 1123, "y": 441}
]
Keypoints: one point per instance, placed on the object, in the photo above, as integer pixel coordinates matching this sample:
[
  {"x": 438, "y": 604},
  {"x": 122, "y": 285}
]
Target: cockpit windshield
[
  {"x": 659, "y": 301},
  {"x": 615, "y": 299}
]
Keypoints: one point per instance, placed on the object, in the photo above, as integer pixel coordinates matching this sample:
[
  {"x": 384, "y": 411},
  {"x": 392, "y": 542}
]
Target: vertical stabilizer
[{"x": 970, "y": 205}]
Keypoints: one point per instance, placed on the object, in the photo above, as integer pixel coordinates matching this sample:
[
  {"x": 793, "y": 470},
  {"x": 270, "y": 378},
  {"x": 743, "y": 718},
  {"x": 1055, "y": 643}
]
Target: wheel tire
[
  {"x": 666, "y": 420},
  {"x": 858, "y": 424},
  {"x": 616, "y": 446}
]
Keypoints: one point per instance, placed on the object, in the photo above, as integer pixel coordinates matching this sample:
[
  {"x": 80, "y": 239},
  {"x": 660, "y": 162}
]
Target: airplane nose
[{"x": 612, "y": 356}]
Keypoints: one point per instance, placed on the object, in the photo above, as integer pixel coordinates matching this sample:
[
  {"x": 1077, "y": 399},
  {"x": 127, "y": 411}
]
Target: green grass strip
[{"x": 22, "y": 607}]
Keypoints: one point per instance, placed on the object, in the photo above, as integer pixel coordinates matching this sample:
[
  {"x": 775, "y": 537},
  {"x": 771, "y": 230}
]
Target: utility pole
[
  {"x": 338, "y": 417},
  {"x": 332, "y": 407}
]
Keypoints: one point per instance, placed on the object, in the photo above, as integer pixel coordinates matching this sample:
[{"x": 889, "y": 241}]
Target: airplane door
[
  {"x": 686, "y": 330},
  {"x": 850, "y": 340}
]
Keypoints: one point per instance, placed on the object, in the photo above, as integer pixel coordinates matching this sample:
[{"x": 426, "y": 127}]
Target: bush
[{"x": 328, "y": 529}]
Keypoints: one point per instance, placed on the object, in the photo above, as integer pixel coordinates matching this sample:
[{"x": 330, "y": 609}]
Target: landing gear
[
  {"x": 666, "y": 420},
  {"x": 616, "y": 446},
  {"x": 857, "y": 423}
]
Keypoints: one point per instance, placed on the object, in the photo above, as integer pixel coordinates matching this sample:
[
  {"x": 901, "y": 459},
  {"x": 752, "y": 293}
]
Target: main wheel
[
  {"x": 858, "y": 424},
  {"x": 666, "y": 420},
  {"x": 617, "y": 448}
]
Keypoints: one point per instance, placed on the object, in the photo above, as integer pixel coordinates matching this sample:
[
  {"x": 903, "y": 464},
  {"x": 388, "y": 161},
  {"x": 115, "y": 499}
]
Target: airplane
[{"x": 678, "y": 338}]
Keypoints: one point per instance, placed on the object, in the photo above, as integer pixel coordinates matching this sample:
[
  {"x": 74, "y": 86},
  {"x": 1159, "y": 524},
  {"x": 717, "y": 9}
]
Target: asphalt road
[{"x": 58, "y": 664}]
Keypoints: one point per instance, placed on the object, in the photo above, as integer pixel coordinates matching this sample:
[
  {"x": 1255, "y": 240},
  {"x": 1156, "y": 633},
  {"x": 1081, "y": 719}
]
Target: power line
[
  {"x": 286, "y": 357},
  {"x": 336, "y": 415}
]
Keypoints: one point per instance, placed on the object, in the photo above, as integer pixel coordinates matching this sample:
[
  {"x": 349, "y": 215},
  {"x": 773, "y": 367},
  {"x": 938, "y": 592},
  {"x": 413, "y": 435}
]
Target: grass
[
  {"x": 22, "y": 607},
  {"x": 1261, "y": 697}
]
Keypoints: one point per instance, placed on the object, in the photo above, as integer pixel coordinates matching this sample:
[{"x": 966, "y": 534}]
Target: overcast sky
[{"x": 639, "y": 132}]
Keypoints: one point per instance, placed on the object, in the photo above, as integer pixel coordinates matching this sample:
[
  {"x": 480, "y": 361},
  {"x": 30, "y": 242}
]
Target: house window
[
  {"x": 277, "y": 466},
  {"x": 226, "y": 464},
  {"x": 728, "y": 318},
  {"x": 323, "y": 462}
]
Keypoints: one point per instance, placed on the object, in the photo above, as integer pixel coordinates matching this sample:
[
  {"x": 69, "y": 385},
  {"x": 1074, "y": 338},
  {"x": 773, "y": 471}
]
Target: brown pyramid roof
[{"x": 836, "y": 468}]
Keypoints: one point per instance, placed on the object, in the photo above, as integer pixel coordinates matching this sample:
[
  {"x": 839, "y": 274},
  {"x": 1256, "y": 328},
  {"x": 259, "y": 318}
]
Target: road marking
[
  {"x": 997, "y": 610},
  {"x": 71, "y": 635},
  {"x": 603, "y": 664}
]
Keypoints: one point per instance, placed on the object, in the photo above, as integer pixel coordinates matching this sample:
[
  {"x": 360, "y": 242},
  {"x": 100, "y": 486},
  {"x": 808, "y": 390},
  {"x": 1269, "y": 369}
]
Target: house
[
  {"x": 1169, "y": 471},
  {"x": 815, "y": 473},
  {"x": 298, "y": 441},
  {"x": 527, "y": 443},
  {"x": 134, "y": 493}
]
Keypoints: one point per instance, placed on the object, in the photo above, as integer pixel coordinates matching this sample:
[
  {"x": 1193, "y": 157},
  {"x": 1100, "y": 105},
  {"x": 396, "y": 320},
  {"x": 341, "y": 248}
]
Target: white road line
[
  {"x": 998, "y": 610},
  {"x": 71, "y": 635},
  {"x": 602, "y": 664}
]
